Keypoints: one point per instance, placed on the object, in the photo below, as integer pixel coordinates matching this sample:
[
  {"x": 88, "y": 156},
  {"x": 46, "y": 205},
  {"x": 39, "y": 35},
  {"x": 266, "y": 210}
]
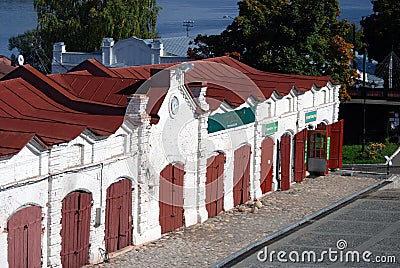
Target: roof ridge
[
  {"x": 54, "y": 90},
  {"x": 85, "y": 65}
]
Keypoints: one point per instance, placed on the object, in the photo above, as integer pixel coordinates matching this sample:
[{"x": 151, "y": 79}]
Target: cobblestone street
[{"x": 205, "y": 244}]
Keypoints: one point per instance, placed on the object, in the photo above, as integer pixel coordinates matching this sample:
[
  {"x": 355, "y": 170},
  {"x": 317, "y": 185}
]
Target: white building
[
  {"x": 194, "y": 140},
  {"x": 127, "y": 52}
]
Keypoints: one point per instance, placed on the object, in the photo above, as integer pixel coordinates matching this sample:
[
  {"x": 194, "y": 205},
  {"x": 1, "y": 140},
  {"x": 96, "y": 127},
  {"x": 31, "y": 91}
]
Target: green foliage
[
  {"x": 298, "y": 37},
  {"x": 29, "y": 46},
  {"x": 81, "y": 25},
  {"x": 381, "y": 31},
  {"x": 374, "y": 153}
]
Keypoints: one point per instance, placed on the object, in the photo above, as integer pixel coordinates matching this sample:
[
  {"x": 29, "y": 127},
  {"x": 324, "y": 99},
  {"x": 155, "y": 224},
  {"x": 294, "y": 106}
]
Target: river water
[{"x": 18, "y": 16}]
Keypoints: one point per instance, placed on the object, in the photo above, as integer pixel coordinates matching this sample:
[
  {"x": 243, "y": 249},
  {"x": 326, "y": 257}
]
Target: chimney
[
  {"x": 58, "y": 50},
  {"x": 157, "y": 50},
  {"x": 57, "y": 61},
  {"x": 106, "y": 48}
]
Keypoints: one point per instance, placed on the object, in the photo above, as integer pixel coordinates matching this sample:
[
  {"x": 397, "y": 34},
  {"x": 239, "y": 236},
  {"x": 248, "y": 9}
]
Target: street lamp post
[{"x": 364, "y": 95}]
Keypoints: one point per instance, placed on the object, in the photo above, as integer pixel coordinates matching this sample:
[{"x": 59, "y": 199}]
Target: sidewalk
[{"x": 205, "y": 244}]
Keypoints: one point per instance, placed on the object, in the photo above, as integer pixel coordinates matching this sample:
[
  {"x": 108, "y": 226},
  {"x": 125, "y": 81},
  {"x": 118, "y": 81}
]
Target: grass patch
[{"x": 374, "y": 153}]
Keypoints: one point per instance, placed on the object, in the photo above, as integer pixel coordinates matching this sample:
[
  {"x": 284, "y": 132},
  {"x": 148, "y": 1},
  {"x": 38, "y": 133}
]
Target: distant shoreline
[{"x": 208, "y": 15}]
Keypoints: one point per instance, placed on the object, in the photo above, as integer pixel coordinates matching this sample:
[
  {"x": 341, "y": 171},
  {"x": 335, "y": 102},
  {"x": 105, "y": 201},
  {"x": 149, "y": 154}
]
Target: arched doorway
[
  {"x": 75, "y": 229},
  {"x": 267, "y": 156},
  {"x": 118, "y": 232},
  {"x": 215, "y": 184},
  {"x": 171, "y": 197},
  {"x": 24, "y": 238},
  {"x": 241, "y": 175}
]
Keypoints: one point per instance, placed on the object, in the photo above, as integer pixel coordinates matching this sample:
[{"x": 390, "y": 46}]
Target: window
[
  {"x": 269, "y": 109},
  {"x": 317, "y": 143},
  {"x": 117, "y": 145},
  {"x": 75, "y": 155}
]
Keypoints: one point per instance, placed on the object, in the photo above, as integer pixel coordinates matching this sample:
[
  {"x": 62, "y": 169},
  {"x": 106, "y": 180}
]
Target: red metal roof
[
  {"x": 50, "y": 113},
  {"x": 57, "y": 108},
  {"x": 232, "y": 75},
  {"x": 52, "y": 89},
  {"x": 12, "y": 142},
  {"x": 5, "y": 66},
  {"x": 224, "y": 75},
  {"x": 95, "y": 68},
  {"x": 21, "y": 100},
  {"x": 98, "y": 89}
]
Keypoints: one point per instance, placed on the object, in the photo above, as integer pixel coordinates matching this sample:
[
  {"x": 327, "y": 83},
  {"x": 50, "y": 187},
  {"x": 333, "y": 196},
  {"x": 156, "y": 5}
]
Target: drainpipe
[
  {"x": 199, "y": 156},
  {"x": 98, "y": 209},
  {"x": 278, "y": 164},
  {"x": 101, "y": 183},
  {"x": 255, "y": 138}
]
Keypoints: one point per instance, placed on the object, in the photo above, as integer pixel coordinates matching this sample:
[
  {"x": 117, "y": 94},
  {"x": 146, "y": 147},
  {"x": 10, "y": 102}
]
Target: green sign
[
  {"x": 328, "y": 147},
  {"x": 231, "y": 119},
  {"x": 270, "y": 128},
  {"x": 311, "y": 116},
  {"x": 305, "y": 152}
]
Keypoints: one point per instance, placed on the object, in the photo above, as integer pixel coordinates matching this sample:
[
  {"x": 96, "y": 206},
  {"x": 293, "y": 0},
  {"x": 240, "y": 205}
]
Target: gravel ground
[{"x": 205, "y": 244}]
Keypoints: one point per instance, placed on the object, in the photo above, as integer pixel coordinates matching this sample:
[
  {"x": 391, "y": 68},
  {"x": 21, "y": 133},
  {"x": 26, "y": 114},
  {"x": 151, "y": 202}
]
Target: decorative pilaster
[
  {"x": 301, "y": 120},
  {"x": 336, "y": 103},
  {"x": 199, "y": 90},
  {"x": 147, "y": 225},
  {"x": 258, "y": 138}
]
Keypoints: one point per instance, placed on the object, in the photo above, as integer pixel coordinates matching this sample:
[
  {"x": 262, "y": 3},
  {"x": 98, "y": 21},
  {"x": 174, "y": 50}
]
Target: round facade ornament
[{"x": 174, "y": 105}]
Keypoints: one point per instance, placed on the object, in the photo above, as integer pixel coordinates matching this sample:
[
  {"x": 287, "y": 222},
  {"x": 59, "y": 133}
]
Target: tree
[
  {"x": 81, "y": 25},
  {"x": 29, "y": 47},
  {"x": 381, "y": 30},
  {"x": 298, "y": 37}
]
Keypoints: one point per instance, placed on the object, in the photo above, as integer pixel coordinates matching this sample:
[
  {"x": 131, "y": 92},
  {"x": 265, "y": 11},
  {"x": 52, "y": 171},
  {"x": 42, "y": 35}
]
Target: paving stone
[{"x": 204, "y": 244}]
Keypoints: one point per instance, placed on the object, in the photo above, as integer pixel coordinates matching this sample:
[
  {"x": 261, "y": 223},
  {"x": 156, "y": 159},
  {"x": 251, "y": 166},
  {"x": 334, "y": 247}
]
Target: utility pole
[
  {"x": 364, "y": 93},
  {"x": 354, "y": 47},
  {"x": 188, "y": 24},
  {"x": 391, "y": 71}
]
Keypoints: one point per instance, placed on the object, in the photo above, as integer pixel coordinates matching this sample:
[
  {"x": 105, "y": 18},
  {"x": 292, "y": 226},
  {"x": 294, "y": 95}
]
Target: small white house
[{"x": 127, "y": 52}]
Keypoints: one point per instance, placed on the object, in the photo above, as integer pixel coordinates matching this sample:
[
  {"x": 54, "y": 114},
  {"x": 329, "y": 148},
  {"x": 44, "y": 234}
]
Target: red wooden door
[
  {"x": 285, "y": 162},
  {"x": 171, "y": 197},
  {"x": 24, "y": 238},
  {"x": 75, "y": 230},
  {"x": 299, "y": 155},
  {"x": 241, "y": 175},
  {"x": 118, "y": 215},
  {"x": 215, "y": 185},
  {"x": 267, "y": 156},
  {"x": 336, "y": 144}
]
